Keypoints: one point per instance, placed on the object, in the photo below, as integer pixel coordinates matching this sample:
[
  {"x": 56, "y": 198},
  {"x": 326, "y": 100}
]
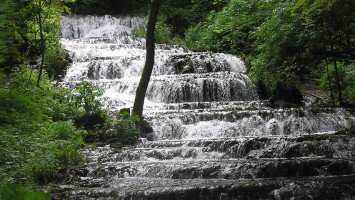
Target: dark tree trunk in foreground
[{"x": 149, "y": 62}]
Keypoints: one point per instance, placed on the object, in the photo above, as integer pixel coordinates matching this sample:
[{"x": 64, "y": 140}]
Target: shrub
[
  {"x": 57, "y": 60},
  {"x": 90, "y": 114},
  {"x": 16, "y": 193},
  {"x": 122, "y": 129},
  {"x": 163, "y": 33},
  {"x": 33, "y": 146},
  {"x": 31, "y": 154},
  {"x": 95, "y": 119},
  {"x": 346, "y": 80},
  {"x": 85, "y": 98}
]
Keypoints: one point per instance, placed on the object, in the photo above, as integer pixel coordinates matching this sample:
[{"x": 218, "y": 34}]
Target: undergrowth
[{"x": 43, "y": 129}]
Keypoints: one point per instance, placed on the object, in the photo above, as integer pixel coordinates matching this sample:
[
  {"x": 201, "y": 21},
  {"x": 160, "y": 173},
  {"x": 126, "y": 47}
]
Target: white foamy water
[
  {"x": 209, "y": 126},
  {"x": 104, "y": 52},
  {"x": 190, "y": 95}
]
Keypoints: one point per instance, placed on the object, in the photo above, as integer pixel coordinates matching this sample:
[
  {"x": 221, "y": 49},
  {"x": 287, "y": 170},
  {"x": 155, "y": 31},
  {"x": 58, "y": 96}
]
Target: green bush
[
  {"x": 85, "y": 98},
  {"x": 58, "y": 60},
  {"x": 40, "y": 128},
  {"x": 122, "y": 129},
  {"x": 33, "y": 145},
  {"x": 2, "y": 78},
  {"x": 95, "y": 119},
  {"x": 108, "y": 7},
  {"x": 62, "y": 109},
  {"x": 31, "y": 153},
  {"x": 349, "y": 84},
  {"x": 197, "y": 38},
  {"x": 346, "y": 72},
  {"x": 16, "y": 193},
  {"x": 229, "y": 29},
  {"x": 163, "y": 33},
  {"x": 90, "y": 113},
  {"x": 139, "y": 32}
]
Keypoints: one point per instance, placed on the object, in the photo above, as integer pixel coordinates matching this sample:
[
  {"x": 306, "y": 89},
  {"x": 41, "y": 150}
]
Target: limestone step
[
  {"x": 224, "y": 168},
  {"x": 329, "y": 144},
  {"x": 318, "y": 188}
]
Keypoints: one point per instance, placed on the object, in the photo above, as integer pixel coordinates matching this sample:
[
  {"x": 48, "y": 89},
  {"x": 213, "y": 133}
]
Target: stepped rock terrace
[{"x": 213, "y": 138}]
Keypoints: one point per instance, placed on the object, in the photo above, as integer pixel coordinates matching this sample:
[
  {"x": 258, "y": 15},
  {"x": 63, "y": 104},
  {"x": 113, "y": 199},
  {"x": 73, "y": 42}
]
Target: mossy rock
[
  {"x": 145, "y": 129},
  {"x": 184, "y": 66}
]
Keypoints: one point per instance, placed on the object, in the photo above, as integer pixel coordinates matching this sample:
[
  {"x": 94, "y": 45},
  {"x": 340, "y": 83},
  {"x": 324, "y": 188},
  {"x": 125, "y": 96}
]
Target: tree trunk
[
  {"x": 149, "y": 62},
  {"x": 337, "y": 81},
  {"x": 42, "y": 43}
]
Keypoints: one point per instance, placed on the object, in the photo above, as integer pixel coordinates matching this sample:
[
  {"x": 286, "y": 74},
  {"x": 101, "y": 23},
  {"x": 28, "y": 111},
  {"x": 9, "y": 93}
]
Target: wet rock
[{"x": 145, "y": 129}]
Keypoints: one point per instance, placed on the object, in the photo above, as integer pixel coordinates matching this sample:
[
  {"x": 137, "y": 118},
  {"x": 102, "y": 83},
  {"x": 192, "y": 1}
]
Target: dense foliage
[
  {"x": 283, "y": 43},
  {"x": 301, "y": 38},
  {"x": 123, "y": 129},
  {"x": 106, "y": 7},
  {"x": 35, "y": 143},
  {"x": 14, "y": 192},
  {"x": 30, "y": 35},
  {"x": 38, "y": 138},
  {"x": 100, "y": 126},
  {"x": 43, "y": 129}
]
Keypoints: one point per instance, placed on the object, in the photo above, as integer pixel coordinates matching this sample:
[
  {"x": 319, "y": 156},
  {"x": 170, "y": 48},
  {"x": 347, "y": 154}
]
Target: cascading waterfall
[
  {"x": 104, "y": 51},
  {"x": 213, "y": 138}
]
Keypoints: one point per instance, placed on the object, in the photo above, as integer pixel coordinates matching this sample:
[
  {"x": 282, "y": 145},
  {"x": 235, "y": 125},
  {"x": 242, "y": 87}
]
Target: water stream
[{"x": 213, "y": 138}]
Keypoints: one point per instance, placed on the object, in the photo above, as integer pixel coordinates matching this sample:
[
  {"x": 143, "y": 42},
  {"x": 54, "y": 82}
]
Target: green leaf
[{"x": 13, "y": 192}]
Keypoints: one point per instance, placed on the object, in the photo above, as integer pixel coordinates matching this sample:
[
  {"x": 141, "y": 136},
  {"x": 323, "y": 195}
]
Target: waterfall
[
  {"x": 213, "y": 138},
  {"x": 104, "y": 52}
]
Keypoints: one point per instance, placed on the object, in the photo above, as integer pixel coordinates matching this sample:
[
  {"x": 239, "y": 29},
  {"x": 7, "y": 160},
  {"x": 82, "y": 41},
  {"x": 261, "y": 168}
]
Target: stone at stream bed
[
  {"x": 145, "y": 129},
  {"x": 315, "y": 188}
]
